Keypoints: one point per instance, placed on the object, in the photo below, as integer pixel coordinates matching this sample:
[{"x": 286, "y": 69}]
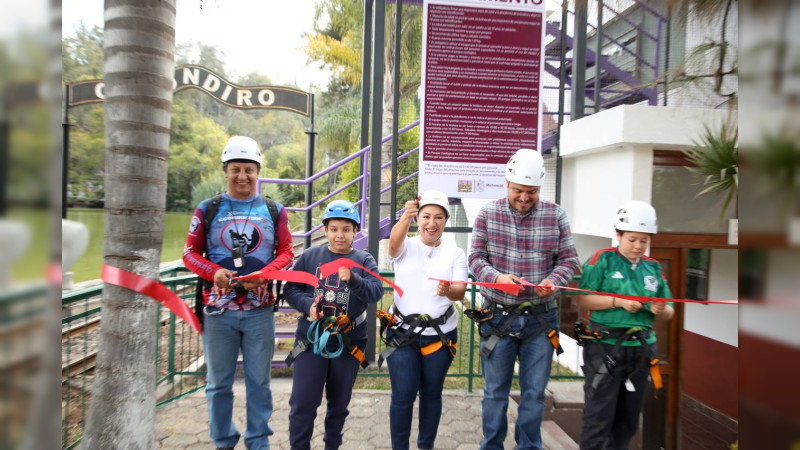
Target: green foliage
[
  {"x": 24, "y": 59},
  {"x": 83, "y": 55},
  {"x": 200, "y": 127},
  {"x": 195, "y": 146},
  {"x": 337, "y": 44},
  {"x": 211, "y": 185},
  {"x": 716, "y": 157},
  {"x": 779, "y": 160}
]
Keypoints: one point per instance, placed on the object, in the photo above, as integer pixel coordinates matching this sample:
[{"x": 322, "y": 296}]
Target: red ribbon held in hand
[
  {"x": 293, "y": 276},
  {"x": 513, "y": 289},
  {"x": 152, "y": 289},
  {"x": 332, "y": 267}
]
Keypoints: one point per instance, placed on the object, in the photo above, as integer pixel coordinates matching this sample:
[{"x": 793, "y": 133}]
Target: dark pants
[
  {"x": 611, "y": 411},
  {"x": 411, "y": 372},
  {"x": 312, "y": 374}
]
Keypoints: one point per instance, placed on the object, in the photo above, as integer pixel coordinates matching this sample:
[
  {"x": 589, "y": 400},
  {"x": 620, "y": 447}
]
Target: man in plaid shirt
[{"x": 519, "y": 237}]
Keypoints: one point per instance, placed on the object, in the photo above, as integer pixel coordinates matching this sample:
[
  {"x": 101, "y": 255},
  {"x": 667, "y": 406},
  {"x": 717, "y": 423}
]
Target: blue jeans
[
  {"x": 252, "y": 332},
  {"x": 535, "y": 361},
  {"x": 410, "y": 372}
]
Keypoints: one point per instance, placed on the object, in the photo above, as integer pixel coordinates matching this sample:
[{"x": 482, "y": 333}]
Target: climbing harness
[
  {"x": 320, "y": 333},
  {"x": 416, "y": 325},
  {"x": 649, "y": 359},
  {"x": 494, "y": 335}
]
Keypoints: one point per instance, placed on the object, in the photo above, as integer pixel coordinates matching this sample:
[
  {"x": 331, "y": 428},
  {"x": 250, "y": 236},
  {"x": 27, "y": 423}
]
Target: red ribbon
[
  {"x": 513, "y": 289},
  {"x": 294, "y": 276},
  {"x": 153, "y": 289},
  {"x": 332, "y": 267}
]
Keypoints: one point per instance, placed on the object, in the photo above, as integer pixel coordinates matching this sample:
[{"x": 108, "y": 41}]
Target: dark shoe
[{"x": 224, "y": 448}]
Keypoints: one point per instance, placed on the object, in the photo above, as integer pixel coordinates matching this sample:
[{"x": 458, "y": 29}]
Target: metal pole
[
  {"x": 562, "y": 81},
  {"x": 398, "y": 26},
  {"x": 379, "y": 26},
  {"x": 597, "y": 56},
  {"x": 666, "y": 53},
  {"x": 366, "y": 70},
  {"x": 310, "y": 170},
  {"x": 656, "y": 62},
  {"x": 579, "y": 61},
  {"x": 65, "y": 154}
]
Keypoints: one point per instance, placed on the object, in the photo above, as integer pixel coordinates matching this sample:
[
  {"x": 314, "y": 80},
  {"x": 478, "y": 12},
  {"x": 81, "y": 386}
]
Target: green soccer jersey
[{"x": 608, "y": 271}]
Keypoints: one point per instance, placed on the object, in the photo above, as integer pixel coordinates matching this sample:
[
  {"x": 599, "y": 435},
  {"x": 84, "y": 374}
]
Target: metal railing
[
  {"x": 179, "y": 363},
  {"x": 362, "y": 178},
  {"x": 629, "y": 76},
  {"x": 178, "y": 359}
]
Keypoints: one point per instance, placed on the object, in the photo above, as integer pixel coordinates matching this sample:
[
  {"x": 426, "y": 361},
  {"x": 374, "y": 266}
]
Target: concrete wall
[{"x": 608, "y": 158}]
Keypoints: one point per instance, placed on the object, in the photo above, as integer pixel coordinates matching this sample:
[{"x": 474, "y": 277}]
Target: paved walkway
[{"x": 184, "y": 424}]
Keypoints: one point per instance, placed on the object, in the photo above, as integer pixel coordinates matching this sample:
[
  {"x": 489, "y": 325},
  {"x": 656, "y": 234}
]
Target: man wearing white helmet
[
  {"x": 620, "y": 348},
  {"x": 234, "y": 234},
  {"x": 519, "y": 237}
]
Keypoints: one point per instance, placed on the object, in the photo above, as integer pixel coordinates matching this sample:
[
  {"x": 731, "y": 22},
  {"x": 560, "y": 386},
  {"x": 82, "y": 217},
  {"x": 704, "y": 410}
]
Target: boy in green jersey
[{"x": 617, "y": 361}]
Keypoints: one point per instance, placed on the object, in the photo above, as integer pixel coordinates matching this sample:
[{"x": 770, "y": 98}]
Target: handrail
[
  {"x": 635, "y": 26},
  {"x": 337, "y": 164},
  {"x": 364, "y": 152},
  {"x": 630, "y": 22}
]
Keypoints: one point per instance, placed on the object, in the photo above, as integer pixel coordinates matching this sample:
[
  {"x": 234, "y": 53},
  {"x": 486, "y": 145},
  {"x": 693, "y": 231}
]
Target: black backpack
[{"x": 211, "y": 212}]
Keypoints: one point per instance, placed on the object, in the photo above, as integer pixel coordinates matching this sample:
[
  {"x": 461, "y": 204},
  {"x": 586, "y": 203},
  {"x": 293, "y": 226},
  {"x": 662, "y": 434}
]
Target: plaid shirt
[{"x": 535, "y": 246}]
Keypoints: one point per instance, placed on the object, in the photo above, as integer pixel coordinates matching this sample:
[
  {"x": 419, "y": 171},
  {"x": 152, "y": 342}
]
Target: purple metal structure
[{"x": 611, "y": 86}]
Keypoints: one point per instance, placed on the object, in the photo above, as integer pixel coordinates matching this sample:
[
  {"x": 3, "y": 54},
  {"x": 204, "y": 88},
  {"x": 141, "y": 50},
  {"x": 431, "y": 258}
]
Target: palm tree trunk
[{"x": 139, "y": 62}]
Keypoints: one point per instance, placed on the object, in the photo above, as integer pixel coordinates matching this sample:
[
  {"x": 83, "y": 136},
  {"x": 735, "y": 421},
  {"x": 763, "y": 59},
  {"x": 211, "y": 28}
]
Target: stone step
[
  {"x": 285, "y": 331},
  {"x": 278, "y": 359},
  {"x": 554, "y": 438},
  {"x": 563, "y": 406}
]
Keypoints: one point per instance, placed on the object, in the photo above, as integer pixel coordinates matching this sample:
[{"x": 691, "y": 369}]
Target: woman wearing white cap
[{"x": 421, "y": 346}]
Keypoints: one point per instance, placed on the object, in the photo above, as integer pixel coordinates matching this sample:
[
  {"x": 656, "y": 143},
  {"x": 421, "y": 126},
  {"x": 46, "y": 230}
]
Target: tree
[
  {"x": 138, "y": 62},
  {"x": 336, "y": 44}
]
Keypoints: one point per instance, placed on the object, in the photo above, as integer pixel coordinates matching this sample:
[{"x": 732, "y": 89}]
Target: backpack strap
[
  {"x": 208, "y": 216},
  {"x": 211, "y": 212},
  {"x": 272, "y": 206},
  {"x": 273, "y": 212}
]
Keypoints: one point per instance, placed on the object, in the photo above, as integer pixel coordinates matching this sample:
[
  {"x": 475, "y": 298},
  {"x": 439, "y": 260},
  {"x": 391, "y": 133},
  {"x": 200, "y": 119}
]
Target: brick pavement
[{"x": 183, "y": 424}]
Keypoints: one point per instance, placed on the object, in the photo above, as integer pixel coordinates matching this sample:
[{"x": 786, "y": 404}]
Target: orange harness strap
[
  {"x": 655, "y": 374},
  {"x": 430, "y": 348}
]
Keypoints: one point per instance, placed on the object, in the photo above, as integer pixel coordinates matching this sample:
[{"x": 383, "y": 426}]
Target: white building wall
[{"x": 608, "y": 158}]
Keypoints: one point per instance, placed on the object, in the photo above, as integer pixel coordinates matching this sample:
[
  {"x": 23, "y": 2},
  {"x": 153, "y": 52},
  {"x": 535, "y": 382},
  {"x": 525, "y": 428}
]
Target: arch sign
[{"x": 191, "y": 76}]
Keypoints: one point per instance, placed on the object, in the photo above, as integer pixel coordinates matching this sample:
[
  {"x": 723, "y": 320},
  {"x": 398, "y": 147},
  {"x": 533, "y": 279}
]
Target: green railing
[
  {"x": 178, "y": 358},
  {"x": 23, "y": 314},
  {"x": 466, "y": 365},
  {"x": 179, "y": 363}
]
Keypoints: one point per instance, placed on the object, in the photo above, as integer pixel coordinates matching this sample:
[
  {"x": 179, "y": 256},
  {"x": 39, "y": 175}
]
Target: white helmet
[
  {"x": 636, "y": 216},
  {"x": 437, "y": 198},
  {"x": 526, "y": 167},
  {"x": 241, "y": 147}
]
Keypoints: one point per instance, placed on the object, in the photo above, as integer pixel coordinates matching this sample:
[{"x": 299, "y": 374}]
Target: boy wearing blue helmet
[{"x": 331, "y": 333}]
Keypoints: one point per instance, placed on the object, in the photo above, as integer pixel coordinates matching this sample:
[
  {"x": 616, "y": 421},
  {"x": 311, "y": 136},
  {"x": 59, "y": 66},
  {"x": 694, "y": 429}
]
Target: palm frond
[{"x": 715, "y": 157}]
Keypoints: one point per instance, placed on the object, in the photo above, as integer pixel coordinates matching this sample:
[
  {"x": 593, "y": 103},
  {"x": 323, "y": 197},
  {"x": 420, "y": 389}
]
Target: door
[{"x": 660, "y": 428}]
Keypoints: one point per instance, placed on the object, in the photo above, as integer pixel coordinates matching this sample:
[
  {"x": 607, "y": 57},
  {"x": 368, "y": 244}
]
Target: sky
[{"x": 262, "y": 36}]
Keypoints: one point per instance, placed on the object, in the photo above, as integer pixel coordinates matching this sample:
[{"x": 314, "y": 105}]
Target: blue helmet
[{"x": 341, "y": 209}]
